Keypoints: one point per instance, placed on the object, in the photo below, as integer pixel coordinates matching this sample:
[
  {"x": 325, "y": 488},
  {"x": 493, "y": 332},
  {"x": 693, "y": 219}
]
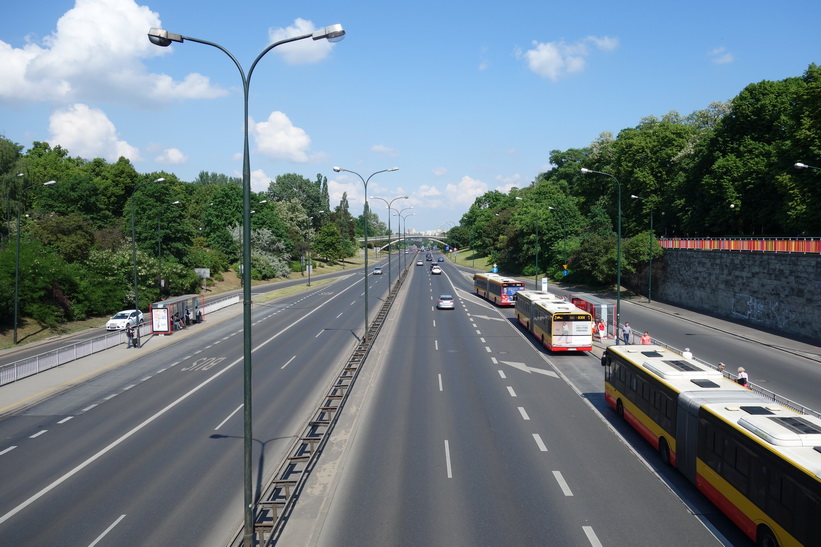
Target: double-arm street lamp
[
  {"x": 164, "y": 38},
  {"x": 586, "y": 171},
  {"x": 365, "y": 229},
  {"x": 650, "y": 275},
  {"x": 17, "y": 254},
  {"x": 402, "y": 234},
  {"x": 134, "y": 242},
  {"x": 389, "y": 203}
]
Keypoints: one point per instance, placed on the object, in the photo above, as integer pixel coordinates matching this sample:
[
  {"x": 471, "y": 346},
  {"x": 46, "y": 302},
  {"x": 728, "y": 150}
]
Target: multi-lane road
[{"x": 461, "y": 431}]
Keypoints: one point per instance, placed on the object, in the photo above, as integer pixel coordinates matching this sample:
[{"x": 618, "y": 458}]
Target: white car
[
  {"x": 436, "y": 270},
  {"x": 419, "y": 263},
  {"x": 123, "y": 318},
  {"x": 445, "y": 302},
  {"x": 377, "y": 270}
]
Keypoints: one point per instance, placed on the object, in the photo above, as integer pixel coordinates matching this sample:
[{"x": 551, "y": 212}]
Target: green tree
[{"x": 329, "y": 243}]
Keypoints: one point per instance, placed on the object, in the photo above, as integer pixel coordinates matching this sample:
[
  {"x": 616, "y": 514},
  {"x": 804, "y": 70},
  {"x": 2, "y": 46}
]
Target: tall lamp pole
[
  {"x": 536, "y": 279},
  {"x": 17, "y": 254},
  {"x": 650, "y": 250},
  {"x": 365, "y": 229},
  {"x": 564, "y": 238},
  {"x": 586, "y": 171},
  {"x": 134, "y": 242},
  {"x": 164, "y": 38},
  {"x": 404, "y": 235},
  {"x": 389, "y": 203}
]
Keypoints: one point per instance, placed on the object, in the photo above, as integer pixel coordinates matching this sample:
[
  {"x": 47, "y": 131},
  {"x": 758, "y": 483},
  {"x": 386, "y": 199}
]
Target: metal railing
[
  {"x": 35, "y": 364},
  {"x": 801, "y": 245}
]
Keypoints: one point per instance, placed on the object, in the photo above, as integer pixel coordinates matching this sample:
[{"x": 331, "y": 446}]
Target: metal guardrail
[
  {"x": 800, "y": 245},
  {"x": 280, "y": 494},
  {"x": 42, "y": 362}
]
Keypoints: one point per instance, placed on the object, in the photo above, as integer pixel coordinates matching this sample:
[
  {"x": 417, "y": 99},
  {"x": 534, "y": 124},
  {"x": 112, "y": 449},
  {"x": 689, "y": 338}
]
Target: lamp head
[
  {"x": 159, "y": 180},
  {"x": 337, "y": 169},
  {"x": 393, "y": 169},
  {"x": 163, "y": 38},
  {"x": 50, "y": 183},
  {"x": 332, "y": 33},
  {"x": 585, "y": 171},
  {"x": 799, "y": 165}
]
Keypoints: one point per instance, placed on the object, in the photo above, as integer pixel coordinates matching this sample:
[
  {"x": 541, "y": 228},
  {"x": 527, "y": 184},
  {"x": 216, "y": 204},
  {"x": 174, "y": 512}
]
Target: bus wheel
[
  {"x": 620, "y": 409},
  {"x": 664, "y": 450},
  {"x": 765, "y": 537}
]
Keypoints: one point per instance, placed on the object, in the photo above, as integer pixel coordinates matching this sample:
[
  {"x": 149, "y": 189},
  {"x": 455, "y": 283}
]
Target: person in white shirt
[{"x": 687, "y": 354}]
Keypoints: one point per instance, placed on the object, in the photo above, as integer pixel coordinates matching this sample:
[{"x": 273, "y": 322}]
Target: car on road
[
  {"x": 420, "y": 263},
  {"x": 126, "y": 317},
  {"x": 436, "y": 270},
  {"x": 440, "y": 259},
  {"x": 445, "y": 302},
  {"x": 377, "y": 270},
  {"x": 429, "y": 258}
]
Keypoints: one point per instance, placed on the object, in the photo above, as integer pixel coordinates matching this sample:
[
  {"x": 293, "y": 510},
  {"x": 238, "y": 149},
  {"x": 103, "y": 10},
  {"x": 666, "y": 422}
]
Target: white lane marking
[
  {"x": 9, "y": 449},
  {"x": 487, "y": 349},
  {"x": 539, "y": 442},
  {"x": 222, "y": 423},
  {"x": 447, "y": 459},
  {"x": 64, "y": 420},
  {"x": 562, "y": 483},
  {"x": 38, "y": 434},
  {"x": 111, "y": 446},
  {"x": 591, "y": 536},
  {"x": 502, "y": 374},
  {"x": 110, "y": 396},
  {"x": 144, "y": 378},
  {"x": 434, "y": 323},
  {"x": 106, "y": 531},
  {"x": 129, "y": 386},
  {"x": 478, "y": 332},
  {"x": 523, "y": 412},
  {"x": 320, "y": 332},
  {"x": 340, "y": 315},
  {"x": 482, "y": 340},
  {"x": 436, "y": 344},
  {"x": 510, "y": 390},
  {"x": 440, "y": 382},
  {"x": 495, "y": 362},
  {"x": 288, "y": 363},
  {"x": 86, "y": 409}
]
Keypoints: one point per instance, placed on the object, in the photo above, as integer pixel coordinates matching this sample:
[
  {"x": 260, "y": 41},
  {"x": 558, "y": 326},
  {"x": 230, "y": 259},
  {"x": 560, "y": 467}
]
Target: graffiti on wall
[{"x": 760, "y": 310}]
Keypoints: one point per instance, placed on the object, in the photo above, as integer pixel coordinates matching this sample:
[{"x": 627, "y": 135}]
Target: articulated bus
[
  {"x": 757, "y": 461},
  {"x": 560, "y": 326},
  {"x": 499, "y": 290}
]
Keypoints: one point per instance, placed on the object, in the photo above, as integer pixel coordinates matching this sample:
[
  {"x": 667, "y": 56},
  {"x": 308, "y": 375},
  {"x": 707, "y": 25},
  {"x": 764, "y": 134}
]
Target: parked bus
[
  {"x": 496, "y": 288},
  {"x": 560, "y": 326},
  {"x": 757, "y": 461},
  {"x": 524, "y": 304}
]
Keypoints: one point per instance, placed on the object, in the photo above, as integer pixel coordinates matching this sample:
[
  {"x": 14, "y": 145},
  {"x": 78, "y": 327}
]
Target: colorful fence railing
[{"x": 772, "y": 245}]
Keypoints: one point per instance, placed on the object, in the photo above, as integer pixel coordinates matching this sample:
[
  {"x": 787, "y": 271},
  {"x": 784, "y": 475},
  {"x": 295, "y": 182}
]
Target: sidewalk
[{"x": 29, "y": 391}]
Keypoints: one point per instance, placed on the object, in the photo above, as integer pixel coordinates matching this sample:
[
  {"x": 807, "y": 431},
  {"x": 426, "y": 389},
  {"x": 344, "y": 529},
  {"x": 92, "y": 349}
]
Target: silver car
[{"x": 445, "y": 302}]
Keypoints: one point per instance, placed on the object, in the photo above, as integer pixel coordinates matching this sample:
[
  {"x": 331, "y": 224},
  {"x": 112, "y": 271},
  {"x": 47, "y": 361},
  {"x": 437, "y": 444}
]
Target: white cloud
[
  {"x": 721, "y": 56},
  {"x": 465, "y": 191},
  {"x": 172, "y": 156},
  {"x": 259, "y": 180},
  {"x": 354, "y": 189},
  {"x": 88, "y": 133},
  {"x": 387, "y": 150},
  {"x": 301, "y": 51},
  {"x": 94, "y": 53},
  {"x": 440, "y": 171},
  {"x": 427, "y": 191},
  {"x": 279, "y": 139},
  {"x": 556, "y": 59},
  {"x": 510, "y": 180}
]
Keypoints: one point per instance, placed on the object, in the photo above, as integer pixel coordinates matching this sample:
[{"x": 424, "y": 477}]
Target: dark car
[{"x": 440, "y": 259}]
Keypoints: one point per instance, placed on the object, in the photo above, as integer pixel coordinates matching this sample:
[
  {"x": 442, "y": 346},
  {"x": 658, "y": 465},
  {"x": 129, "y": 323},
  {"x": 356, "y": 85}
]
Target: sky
[{"x": 462, "y": 96}]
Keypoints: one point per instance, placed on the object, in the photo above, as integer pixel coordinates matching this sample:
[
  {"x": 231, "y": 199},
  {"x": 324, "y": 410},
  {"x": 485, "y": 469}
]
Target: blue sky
[{"x": 462, "y": 96}]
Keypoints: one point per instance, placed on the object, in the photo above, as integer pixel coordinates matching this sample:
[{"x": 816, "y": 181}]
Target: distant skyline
[{"x": 464, "y": 97}]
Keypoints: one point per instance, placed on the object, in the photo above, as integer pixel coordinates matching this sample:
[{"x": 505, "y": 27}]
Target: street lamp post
[
  {"x": 404, "y": 238},
  {"x": 389, "y": 203},
  {"x": 164, "y": 38},
  {"x": 536, "y": 279},
  {"x": 650, "y": 250},
  {"x": 564, "y": 240},
  {"x": 134, "y": 242},
  {"x": 17, "y": 254},
  {"x": 365, "y": 229},
  {"x": 159, "y": 245},
  {"x": 586, "y": 171}
]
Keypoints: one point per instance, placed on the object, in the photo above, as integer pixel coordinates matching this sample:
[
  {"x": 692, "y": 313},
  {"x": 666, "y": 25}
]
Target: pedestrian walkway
[{"x": 33, "y": 389}]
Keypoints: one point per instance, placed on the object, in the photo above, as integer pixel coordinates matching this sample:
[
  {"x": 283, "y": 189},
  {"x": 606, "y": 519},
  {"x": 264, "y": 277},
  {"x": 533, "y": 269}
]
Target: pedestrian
[
  {"x": 129, "y": 334},
  {"x": 601, "y": 328},
  {"x": 199, "y": 316},
  {"x": 721, "y": 368},
  {"x": 645, "y": 339},
  {"x": 187, "y": 317},
  {"x": 687, "y": 353},
  {"x": 742, "y": 379},
  {"x": 626, "y": 332},
  {"x": 137, "y": 336}
]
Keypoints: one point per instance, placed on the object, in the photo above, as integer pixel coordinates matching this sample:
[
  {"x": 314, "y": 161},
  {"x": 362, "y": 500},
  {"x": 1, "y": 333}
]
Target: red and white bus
[
  {"x": 757, "y": 461},
  {"x": 496, "y": 288}
]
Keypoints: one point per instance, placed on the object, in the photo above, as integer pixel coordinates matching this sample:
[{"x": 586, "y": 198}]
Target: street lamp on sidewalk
[
  {"x": 17, "y": 254},
  {"x": 134, "y": 242},
  {"x": 650, "y": 276},
  {"x": 163, "y": 38},
  {"x": 586, "y": 171},
  {"x": 365, "y": 229},
  {"x": 389, "y": 203},
  {"x": 404, "y": 239}
]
